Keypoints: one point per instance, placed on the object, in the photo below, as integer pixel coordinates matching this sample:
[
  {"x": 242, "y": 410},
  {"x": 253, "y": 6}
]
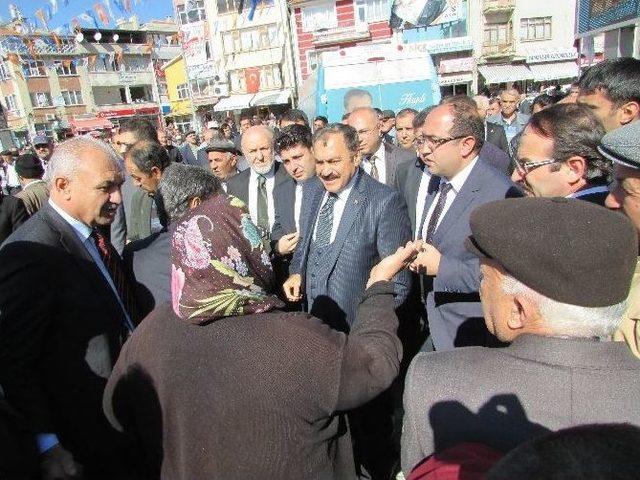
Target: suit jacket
[
  {"x": 202, "y": 159},
  {"x": 148, "y": 261},
  {"x": 395, "y": 156},
  {"x": 12, "y": 214},
  {"x": 187, "y": 155},
  {"x": 238, "y": 185},
  {"x": 495, "y": 157},
  {"x": 174, "y": 153},
  {"x": 373, "y": 225},
  {"x": 496, "y": 136},
  {"x": 504, "y": 397},
  {"x": 451, "y": 297},
  {"x": 284, "y": 198},
  {"x": 34, "y": 196},
  {"x": 408, "y": 179},
  {"x": 61, "y": 329},
  {"x": 133, "y": 217}
]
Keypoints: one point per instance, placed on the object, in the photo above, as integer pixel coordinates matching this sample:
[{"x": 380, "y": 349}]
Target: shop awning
[
  {"x": 88, "y": 124},
  {"x": 239, "y": 61},
  {"x": 234, "y": 102},
  {"x": 504, "y": 73},
  {"x": 279, "y": 97},
  {"x": 554, "y": 71}
]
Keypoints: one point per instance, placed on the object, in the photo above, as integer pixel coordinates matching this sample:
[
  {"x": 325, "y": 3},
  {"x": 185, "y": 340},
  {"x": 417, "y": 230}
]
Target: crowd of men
[{"x": 516, "y": 288}]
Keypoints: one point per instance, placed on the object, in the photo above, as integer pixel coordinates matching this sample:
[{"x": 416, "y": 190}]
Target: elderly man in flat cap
[
  {"x": 539, "y": 292},
  {"x": 622, "y": 147},
  {"x": 223, "y": 159}
]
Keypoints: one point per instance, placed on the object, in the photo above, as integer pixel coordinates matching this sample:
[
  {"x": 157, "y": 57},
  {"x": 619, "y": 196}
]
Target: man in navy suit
[
  {"x": 348, "y": 221},
  {"x": 189, "y": 150},
  {"x": 448, "y": 142}
]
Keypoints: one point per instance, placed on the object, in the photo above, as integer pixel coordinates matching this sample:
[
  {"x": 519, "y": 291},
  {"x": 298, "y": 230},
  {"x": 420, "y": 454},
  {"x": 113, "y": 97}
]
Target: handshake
[{"x": 418, "y": 256}]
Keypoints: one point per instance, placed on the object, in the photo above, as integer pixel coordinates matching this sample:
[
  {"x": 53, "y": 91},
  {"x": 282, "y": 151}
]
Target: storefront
[
  {"x": 455, "y": 76},
  {"x": 551, "y": 67},
  {"x": 115, "y": 116}
]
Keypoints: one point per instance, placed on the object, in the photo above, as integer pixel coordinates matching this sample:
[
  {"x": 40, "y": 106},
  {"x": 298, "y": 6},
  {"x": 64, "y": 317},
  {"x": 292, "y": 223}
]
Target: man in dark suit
[
  {"x": 172, "y": 150},
  {"x": 255, "y": 186},
  {"x": 293, "y": 145},
  {"x": 348, "y": 221},
  {"x": 189, "y": 150},
  {"x": 448, "y": 142},
  {"x": 13, "y": 213},
  {"x": 65, "y": 310},
  {"x": 540, "y": 294},
  {"x": 379, "y": 159},
  {"x": 558, "y": 155}
]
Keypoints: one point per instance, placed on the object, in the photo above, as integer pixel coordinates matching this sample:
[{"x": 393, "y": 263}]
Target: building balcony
[
  {"x": 338, "y": 35},
  {"x": 498, "y": 6},
  {"x": 500, "y": 50}
]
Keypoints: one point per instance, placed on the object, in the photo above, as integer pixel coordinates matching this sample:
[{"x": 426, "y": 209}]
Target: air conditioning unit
[{"x": 221, "y": 90}]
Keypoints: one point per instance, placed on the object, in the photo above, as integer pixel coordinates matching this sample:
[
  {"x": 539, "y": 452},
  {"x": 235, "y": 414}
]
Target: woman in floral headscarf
[{"x": 222, "y": 384}]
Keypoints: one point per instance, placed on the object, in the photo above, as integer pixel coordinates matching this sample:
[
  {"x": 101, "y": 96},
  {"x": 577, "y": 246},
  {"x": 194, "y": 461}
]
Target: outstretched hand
[{"x": 389, "y": 266}]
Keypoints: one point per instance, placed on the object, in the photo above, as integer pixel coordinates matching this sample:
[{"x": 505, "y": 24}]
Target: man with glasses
[
  {"x": 379, "y": 159},
  {"x": 448, "y": 142},
  {"x": 43, "y": 149},
  {"x": 558, "y": 155}
]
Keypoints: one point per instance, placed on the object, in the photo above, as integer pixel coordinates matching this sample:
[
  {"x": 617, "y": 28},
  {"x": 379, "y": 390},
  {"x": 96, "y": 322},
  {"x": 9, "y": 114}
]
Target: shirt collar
[
  {"x": 380, "y": 152},
  {"x": 82, "y": 230},
  {"x": 459, "y": 178},
  {"x": 343, "y": 194}
]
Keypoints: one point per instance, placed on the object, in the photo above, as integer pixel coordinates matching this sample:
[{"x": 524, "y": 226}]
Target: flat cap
[
  {"x": 221, "y": 145},
  {"x": 40, "y": 140},
  {"x": 571, "y": 251},
  {"x": 29, "y": 166},
  {"x": 622, "y": 145}
]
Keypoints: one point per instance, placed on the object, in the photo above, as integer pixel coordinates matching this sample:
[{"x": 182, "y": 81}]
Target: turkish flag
[{"x": 252, "y": 77}]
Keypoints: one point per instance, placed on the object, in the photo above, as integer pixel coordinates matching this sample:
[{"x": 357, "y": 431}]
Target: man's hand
[
  {"x": 292, "y": 287},
  {"x": 58, "y": 464},
  {"x": 428, "y": 260},
  {"x": 287, "y": 243},
  {"x": 389, "y": 266}
]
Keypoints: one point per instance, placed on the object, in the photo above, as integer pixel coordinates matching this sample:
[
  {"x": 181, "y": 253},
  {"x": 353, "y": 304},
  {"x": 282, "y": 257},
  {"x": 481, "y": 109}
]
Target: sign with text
[
  {"x": 194, "y": 43},
  {"x": 539, "y": 56},
  {"x": 422, "y": 13}
]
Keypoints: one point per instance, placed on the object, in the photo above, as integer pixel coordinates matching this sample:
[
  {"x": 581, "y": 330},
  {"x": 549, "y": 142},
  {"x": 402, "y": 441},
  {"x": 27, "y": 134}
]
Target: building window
[
  {"x": 11, "y": 102},
  {"x": 228, "y": 6},
  {"x": 183, "y": 91},
  {"x": 43, "y": 129},
  {"x": 250, "y": 39},
  {"x": 314, "y": 58},
  {"x": 204, "y": 87},
  {"x": 192, "y": 11},
  {"x": 41, "y": 99},
  {"x": 369, "y": 11},
  {"x": 535, "y": 28},
  {"x": 73, "y": 97},
  {"x": 270, "y": 78},
  {"x": 319, "y": 17},
  {"x": 5, "y": 73},
  {"x": 182, "y": 123},
  {"x": 65, "y": 70},
  {"x": 34, "y": 68},
  {"x": 497, "y": 34}
]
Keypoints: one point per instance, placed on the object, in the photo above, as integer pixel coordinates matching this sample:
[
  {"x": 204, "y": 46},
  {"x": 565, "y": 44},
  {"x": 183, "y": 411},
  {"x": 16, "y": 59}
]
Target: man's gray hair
[
  {"x": 568, "y": 320},
  {"x": 180, "y": 184},
  {"x": 66, "y": 157}
]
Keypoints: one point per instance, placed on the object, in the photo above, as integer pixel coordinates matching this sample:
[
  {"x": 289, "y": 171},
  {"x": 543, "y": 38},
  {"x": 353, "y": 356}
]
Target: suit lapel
[
  {"x": 316, "y": 191},
  {"x": 467, "y": 193},
  {"x": 391, "y": 164},
  {"x": 432, "y": 190},
  {"x": 412, "y": 187}
]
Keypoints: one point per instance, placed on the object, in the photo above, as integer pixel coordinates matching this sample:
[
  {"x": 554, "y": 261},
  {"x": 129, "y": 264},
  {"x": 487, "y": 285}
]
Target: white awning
[
  {"x": 554, "y": 71},
  {"x": 504, "y": 73},
  {"x": 234, "y": 102},
  {"x": 278, "y": 97},
  {"x": 272, "y": 56}
]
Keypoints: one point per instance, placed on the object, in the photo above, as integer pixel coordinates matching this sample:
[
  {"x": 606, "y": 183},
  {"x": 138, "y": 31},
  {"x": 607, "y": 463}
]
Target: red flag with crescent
[{"x": 252, "y": 77}]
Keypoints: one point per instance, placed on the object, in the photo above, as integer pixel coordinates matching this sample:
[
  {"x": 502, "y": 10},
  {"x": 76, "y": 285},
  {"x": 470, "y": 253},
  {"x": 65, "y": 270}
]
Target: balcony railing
[
  {"x": 498, "y": 6},
  {"x": 503, "y": 49},
  {"x": 332, "y": 36}
]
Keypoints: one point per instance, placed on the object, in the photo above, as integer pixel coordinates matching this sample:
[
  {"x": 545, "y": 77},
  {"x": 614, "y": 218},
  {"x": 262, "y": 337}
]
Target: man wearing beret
[
  {"x": 622, "y": 147},
  {"x": 558, "y": 155},
  {"x": 34, "y": 191},
  {"x": 223, "y": 159},
  {"x": 539, "y": 293}
]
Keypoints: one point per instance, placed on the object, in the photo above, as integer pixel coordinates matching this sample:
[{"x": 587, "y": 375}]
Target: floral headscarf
[{"x": 218, "y": 264}]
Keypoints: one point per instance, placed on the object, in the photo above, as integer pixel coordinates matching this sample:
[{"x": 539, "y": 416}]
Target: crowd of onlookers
[{"x": 450, "y": 293}]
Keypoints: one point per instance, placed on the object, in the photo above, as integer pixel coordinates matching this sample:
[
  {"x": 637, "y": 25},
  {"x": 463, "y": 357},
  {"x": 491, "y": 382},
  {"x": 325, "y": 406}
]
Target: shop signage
[
  {"x": 539, "y": 56},
  {"x": 454, "y": 65},
  {"x": 456, "y": 44}
]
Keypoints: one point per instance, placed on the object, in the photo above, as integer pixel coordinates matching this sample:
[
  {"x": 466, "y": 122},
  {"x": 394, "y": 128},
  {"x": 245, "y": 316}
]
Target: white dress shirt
[
  {"x": 83, "y": 232},
  {"x": 423, "y": 191},
  {"x": 297, "y": 205},
  {"x": 338, "y": 208},
  {"x": 253, "y": 195},
  {"x": 456, "y": 184},
  {"x": 381, "y": 164}
]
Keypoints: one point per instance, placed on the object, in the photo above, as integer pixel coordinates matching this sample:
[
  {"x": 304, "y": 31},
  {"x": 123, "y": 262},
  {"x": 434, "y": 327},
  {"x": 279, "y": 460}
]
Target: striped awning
[
  {"x": 505, "y": 73},
  {"x": 554, "y": 71}
]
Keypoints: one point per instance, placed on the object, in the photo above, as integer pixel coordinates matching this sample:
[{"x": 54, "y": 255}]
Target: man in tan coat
[{"x": 34, "y": 191}]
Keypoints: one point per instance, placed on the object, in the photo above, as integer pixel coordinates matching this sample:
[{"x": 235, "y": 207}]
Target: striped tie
[{"x": 325, "y": 221}]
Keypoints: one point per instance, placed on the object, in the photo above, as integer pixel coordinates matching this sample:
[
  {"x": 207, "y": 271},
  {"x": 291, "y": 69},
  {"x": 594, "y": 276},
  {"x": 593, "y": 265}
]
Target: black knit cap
[
  {"x": 29, "y": 166},
  {"x": 571, "y": 251}
]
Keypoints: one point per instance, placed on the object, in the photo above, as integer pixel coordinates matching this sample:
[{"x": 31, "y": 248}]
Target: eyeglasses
[
  {"x": 524, "y": 168},
  {"x": 435, "y": 142}
]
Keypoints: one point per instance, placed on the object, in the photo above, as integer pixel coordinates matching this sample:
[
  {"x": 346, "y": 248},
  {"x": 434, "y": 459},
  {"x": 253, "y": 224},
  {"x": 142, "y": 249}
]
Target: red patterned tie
[{"x": 113, "y": 262}]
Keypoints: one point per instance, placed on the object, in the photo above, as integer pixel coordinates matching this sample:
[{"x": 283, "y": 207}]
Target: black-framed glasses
[
  {"x": 524, "y": 168},
  {"x": 435, "y": 142}
]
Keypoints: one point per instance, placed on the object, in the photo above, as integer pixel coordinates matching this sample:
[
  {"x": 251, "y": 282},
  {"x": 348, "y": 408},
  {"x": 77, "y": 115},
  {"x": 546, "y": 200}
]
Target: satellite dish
[
  {"x": 79, "y": 37},
  {"x": 116, "y": 37},
  {"x": 97, "y": 36}
]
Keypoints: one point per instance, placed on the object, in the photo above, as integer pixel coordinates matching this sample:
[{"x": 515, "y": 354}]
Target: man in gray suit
[
  {"x": 539, "y": 292},
  {"x": 189, "y": 150},
  {"x": 379, "y": 159},
  {"x": 448, "y": 143},
  {"x": 348, "y": 221}
]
